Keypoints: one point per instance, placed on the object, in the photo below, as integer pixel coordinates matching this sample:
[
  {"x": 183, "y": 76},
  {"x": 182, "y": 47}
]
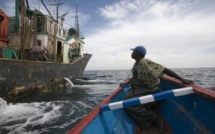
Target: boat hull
[
  {"x": 19, "y": 77},
  {"x": 191, "y": 113}
]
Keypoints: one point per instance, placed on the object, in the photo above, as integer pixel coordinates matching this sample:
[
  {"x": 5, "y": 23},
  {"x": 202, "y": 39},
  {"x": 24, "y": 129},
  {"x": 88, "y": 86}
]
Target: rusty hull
[{"x": 19, "y": 78}]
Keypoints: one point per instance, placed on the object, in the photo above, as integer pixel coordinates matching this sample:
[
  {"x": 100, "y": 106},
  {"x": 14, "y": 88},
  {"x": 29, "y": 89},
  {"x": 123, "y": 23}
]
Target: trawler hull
[{"x": 19, "y": 78}]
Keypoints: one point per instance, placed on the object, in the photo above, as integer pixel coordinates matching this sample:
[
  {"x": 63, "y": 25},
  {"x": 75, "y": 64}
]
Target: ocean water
[{"x": 57, "y": 113}]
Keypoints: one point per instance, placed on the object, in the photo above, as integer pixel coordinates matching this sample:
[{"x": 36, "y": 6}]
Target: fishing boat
[
  {"x": 185, "y": 109},
  {"x": 22, "y": 76}
]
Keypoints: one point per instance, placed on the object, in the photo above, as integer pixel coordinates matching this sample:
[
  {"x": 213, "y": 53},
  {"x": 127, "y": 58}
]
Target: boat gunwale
[
  {"x": 48, "y": 62},
  {"x": 199, "y": 90}
]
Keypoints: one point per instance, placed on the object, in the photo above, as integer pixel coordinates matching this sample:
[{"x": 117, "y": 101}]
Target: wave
[
  {"x": 40, "y": 117},
  {"x": 96, "y": 81},
  {"x": 24, "y": 116}
]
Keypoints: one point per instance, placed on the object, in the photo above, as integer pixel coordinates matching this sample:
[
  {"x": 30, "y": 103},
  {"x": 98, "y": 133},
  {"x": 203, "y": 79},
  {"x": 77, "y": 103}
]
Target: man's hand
[
  {"x": 186, "y": 81},
  {"x": 121, "y": 84}
]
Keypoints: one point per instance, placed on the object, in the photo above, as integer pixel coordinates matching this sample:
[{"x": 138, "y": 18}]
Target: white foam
[
  {"x": 15, "y": 118},
  {"x": 70, "y": 82},
  {"x": 3, "y": 104}
]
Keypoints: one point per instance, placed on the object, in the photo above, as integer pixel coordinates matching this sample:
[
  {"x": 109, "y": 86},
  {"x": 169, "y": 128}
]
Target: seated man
[
  {"x": 145, "y": 81},
  {"x": 40, "y": 52}
]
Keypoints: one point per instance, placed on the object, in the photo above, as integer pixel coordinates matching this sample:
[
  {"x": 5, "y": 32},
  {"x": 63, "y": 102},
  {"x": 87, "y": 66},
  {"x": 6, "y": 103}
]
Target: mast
[
  {"x": 76, "y": 21},
  {"x": 57, "y": 4}
]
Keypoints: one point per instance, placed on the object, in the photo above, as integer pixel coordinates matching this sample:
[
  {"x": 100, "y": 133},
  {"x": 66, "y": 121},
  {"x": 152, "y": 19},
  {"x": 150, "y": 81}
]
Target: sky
[{"x": 176, "y": 33}]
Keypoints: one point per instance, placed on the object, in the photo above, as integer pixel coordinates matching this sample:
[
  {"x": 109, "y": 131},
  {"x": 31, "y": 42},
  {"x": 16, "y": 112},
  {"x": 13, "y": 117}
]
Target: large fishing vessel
[{"x": 21, "y": 76}]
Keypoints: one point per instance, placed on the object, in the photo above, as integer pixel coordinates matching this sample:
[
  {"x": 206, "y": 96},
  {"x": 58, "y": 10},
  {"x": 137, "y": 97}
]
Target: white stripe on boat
[
  {"x": 146, "y": 99},
  {"x": 116, "y": 105},
  {"x": 183, "y": 91}
]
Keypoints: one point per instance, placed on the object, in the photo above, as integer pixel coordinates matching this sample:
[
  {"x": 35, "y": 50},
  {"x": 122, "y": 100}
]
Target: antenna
[
  {"x": 38, "y": 4},
  {"x": 77, "y": 24},
  {"x": 76, "y": 21},
  {"x": 57, "y": 4}
]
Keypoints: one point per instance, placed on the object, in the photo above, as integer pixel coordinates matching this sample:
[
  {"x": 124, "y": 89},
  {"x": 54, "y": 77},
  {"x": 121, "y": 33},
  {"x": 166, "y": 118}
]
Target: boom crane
[
  {"x": 57, "y": 4},
  {"x": 62, "y": 18}
]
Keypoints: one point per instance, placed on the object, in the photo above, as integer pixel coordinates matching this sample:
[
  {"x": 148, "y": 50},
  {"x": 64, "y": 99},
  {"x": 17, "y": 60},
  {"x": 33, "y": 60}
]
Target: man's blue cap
[{"x": 140, "y": 49}]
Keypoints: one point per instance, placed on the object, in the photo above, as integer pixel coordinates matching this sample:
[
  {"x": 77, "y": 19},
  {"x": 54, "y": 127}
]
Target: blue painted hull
[{"x": 190, "y": 114}]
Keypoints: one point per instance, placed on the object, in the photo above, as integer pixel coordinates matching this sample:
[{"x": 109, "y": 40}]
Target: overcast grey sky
[{"x": 176, "y": 33}]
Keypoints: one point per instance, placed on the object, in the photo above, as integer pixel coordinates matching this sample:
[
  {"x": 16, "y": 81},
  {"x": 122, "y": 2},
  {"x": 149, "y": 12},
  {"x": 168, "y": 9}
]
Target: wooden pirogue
[{"x": 190, "y": 112}]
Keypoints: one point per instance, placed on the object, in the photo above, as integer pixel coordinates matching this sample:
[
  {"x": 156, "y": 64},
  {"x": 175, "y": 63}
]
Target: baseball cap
[{"x": 140, "y": 49}]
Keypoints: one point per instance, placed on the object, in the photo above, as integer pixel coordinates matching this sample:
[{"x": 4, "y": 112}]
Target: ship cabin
[{"x": 64, "y": 46}]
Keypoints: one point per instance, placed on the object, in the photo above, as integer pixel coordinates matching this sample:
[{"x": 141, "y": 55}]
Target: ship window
[
  {"x": 1, "y": 18},
  {"x": 40, "y": 24}
]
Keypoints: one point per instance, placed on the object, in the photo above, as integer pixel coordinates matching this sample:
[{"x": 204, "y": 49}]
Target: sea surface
[{"x": 57, "y": 113}]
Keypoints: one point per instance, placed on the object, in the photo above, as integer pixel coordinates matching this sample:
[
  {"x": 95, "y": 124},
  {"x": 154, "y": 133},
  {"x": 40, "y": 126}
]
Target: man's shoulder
[{"x": 145, "y": 60}]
